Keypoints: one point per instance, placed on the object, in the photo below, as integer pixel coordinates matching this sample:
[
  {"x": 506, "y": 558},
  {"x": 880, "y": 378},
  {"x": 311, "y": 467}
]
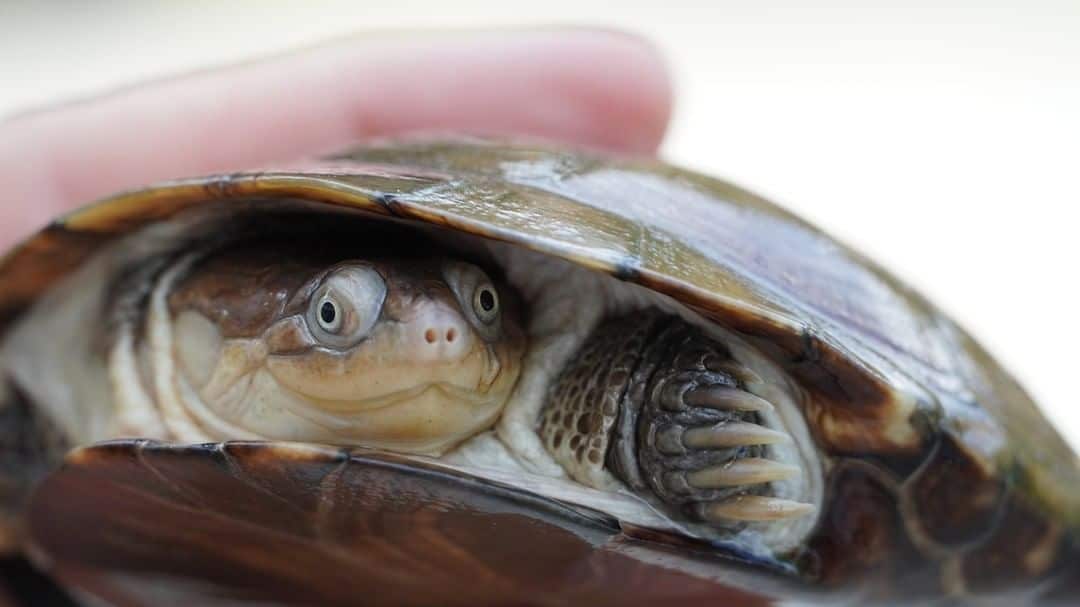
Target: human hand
[{"x": 588, "y": 87}]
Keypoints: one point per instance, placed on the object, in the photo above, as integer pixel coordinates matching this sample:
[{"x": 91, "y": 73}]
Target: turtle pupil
[
  {"x": 328, "y": 313},
  {"x": 487, "y": 300}
]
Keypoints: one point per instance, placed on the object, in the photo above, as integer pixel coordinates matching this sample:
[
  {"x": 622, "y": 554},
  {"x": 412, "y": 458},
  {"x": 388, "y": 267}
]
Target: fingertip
[
  {"x": 631, "y": 89},
  {"x": 586, "y": 86},
  {"x": 593, "y": 87}
]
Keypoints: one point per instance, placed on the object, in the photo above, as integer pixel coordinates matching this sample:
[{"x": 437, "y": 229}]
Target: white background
[{"x": 942, "y": 138}]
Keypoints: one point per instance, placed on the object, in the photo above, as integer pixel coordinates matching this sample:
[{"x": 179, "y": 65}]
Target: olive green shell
[{"x": 904, "y": 396}]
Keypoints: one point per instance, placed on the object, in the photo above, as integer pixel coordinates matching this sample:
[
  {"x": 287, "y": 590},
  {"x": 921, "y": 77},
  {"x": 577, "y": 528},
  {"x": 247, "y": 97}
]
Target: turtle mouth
[
  {"x": 343, "y": 408},
  {"x": 428, "y": 418}
]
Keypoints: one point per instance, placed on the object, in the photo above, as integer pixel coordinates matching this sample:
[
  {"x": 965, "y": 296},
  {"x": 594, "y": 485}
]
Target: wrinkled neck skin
[{"x": 398, "y": 354}]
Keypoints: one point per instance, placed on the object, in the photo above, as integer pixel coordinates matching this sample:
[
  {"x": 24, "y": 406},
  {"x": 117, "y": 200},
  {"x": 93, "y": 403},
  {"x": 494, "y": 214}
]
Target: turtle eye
[
  {"x": 347, "y": 305},
  {"x": 486, "y": 303},
  {"x": 477, "y": 296},
  {"x": 329, "y": 317}
]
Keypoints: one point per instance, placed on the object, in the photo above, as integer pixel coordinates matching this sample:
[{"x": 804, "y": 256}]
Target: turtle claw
[
  {"x": 731, "y": 434},
  {"x": 677, "y": 440},
  {"x": 704, "y": 445},
  {"x": 733, "y": 369},
  {"x": 706, "y": 450},
  {"x": 726, "y": 398},
  {"x": 747, "y": 471},
  {"x": 689, "y": 435},
  {"x": 753, "y": 508}
]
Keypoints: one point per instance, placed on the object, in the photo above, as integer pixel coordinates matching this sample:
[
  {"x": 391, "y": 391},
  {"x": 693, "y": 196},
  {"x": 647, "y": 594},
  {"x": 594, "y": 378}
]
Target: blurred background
[{"x": 941, "y": 138}]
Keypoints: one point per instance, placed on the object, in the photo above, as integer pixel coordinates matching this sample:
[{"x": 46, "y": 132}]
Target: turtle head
[
  {"x": 415, "y": 352},
  {"x": 413, "y": 355}
]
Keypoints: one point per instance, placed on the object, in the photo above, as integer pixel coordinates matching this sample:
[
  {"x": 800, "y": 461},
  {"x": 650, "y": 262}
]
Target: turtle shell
[{"x": 935, "y": 450}]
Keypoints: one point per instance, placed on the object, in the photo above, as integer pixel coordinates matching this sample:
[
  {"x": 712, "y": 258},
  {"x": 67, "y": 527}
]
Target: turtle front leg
[{"x": 652, "y": 403}]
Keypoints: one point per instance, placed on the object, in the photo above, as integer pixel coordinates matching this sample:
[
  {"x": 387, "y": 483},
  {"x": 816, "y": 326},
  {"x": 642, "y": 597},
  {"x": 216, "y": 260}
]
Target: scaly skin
[{"x": 663, "y": 408}]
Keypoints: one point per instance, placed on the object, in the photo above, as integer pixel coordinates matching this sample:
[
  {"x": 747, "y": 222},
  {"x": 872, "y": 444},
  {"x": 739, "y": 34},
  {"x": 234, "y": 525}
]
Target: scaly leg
[{"x": 652, "y": 401}]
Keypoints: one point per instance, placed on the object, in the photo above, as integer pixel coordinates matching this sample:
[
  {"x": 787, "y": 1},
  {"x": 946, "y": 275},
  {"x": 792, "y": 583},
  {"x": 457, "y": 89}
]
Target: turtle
[{"x": 459, "y": 370}]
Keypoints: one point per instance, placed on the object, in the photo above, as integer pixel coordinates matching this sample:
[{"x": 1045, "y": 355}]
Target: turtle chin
[
  {"x": 427, "y": 411},
  {"x": 426, "y": 419}
]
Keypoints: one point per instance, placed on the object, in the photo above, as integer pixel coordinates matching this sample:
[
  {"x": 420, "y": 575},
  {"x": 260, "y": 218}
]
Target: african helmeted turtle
[{"x": 473, "y": 372}]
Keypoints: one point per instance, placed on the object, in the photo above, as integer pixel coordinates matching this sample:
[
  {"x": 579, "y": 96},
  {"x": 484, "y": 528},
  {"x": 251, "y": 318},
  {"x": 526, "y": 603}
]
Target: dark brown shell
[
  {"x": 307, "y": 525},
  {"x": 906, "y": 402}
]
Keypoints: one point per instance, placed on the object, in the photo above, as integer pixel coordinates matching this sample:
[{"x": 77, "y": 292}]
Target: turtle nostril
[
  {"x": 430, "y": 336},
  {"x": 450, "y": 335}
]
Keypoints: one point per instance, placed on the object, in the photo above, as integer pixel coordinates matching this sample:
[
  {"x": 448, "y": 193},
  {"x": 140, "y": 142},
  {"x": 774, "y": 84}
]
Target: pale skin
[
  {"x": 595, "y": 88},
  {"x": 412, "y": 355}
]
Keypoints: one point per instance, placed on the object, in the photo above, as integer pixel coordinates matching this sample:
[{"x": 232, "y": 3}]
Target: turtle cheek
[
  {"x": 198, "y": 346},
  {"x": 325, "y": 376},
  {"x": 288, "y": 336},
  {"x": 503, "y": 364}
]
